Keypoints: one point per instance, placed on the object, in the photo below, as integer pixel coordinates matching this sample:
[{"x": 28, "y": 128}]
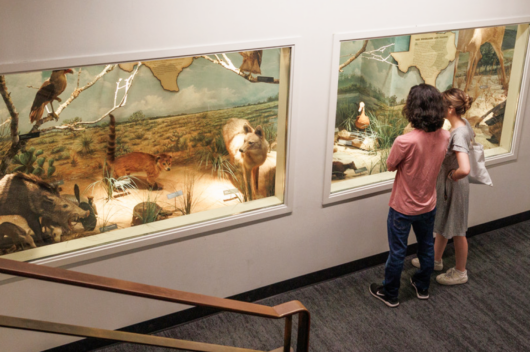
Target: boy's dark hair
[{"x": 425, "y": 108}]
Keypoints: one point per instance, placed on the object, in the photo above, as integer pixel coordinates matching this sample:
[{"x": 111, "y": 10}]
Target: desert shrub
[
  {"x": 121, "y": 147},
  {"x": 63, "y": 156},
  {"x": 139, "y": 134},
  {"x": 58, "y": 149},
  {"x": 197, "y": 139},
  {"x": 136, "y": 117}
]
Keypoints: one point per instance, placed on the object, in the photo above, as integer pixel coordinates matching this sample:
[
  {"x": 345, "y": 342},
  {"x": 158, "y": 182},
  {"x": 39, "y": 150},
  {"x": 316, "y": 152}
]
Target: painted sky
[{"x": 203, "y": 86}]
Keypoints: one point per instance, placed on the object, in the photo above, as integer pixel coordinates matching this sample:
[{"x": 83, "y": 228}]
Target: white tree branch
[
  {"x": 117, "y": 104},
  {"x": 72, "y": 97},
  {"x": 230, "y": 66}
]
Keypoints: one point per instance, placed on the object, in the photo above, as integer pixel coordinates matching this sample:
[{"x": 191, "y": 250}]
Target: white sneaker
[
  {"x": 438, "y": 266},
  {"x": 452, "y": 277}
]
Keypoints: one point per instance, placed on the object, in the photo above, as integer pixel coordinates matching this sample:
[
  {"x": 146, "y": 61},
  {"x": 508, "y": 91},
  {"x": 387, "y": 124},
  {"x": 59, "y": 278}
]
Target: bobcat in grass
[{"x": 151, "y": 164}]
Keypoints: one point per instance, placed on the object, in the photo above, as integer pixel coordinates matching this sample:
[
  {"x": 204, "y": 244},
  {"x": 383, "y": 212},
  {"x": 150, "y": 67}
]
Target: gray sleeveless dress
[{"x": 452, "y": 201}]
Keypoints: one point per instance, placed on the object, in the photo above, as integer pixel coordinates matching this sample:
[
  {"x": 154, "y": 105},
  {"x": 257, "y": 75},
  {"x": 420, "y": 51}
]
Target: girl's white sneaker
[{"x": 452, "y": 277}]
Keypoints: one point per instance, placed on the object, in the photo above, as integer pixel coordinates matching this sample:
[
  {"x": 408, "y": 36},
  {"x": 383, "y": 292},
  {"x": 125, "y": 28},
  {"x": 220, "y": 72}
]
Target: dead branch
[
  {"x": 227, "y": 63},
  {"x": 72, "y": 97},
  {"x": 16, "y": 144},
  {"x": 122, "y": 102},
  {"x": 350, "y": 60}
]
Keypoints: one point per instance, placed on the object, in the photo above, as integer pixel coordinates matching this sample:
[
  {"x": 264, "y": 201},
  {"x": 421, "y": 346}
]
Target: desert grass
[
  {"x": 215, "y": 157},
  {"x": 384, "y": 129},
  {"x": 105, "y": 215},
  {"x": 346, "y": 115},
  {"x": 189, "y": 199}
]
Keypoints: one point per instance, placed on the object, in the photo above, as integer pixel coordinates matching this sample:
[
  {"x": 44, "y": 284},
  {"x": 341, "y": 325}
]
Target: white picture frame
[
  {"x": 79, "y": 251},
  {"x": 348, "y": 190}
]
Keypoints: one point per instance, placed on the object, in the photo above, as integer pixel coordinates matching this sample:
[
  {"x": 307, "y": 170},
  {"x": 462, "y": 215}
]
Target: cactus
[
  {"x": 25, "y": 161},
  {"x": 51, "y": 168},
  {"x": 40, "y": 161}
]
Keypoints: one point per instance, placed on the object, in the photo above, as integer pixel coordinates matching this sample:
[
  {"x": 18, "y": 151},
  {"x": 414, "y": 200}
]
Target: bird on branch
[
  {"x": 251, "y": 61},
  {"x": 48, "y": 92}
]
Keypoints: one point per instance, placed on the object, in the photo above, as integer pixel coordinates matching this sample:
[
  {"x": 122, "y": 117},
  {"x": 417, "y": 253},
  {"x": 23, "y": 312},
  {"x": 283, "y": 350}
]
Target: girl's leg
[
  {"x": 460, "y": 252},
  {"x": 439, "y": 247}
]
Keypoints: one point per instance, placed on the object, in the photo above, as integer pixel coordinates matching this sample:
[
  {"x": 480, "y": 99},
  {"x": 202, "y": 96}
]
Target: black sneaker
[
  {"x": 421, "y": 294},
  {"x": 377, "y": 291}
]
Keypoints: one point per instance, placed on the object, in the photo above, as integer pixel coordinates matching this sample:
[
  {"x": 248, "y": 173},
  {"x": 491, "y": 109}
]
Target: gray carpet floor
[{"x": 489, "y": 313}]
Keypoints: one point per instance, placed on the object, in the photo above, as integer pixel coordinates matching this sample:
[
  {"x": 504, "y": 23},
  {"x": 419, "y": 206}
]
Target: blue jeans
[{"x": 398, "y": 233}]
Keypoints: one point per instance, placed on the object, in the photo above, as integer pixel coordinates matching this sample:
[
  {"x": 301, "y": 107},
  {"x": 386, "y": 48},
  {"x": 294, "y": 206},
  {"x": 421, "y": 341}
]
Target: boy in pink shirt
[{"x": 417, "y": 157}]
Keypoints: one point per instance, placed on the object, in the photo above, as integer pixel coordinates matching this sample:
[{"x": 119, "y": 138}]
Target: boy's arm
[{"x": 397, "y": 153}]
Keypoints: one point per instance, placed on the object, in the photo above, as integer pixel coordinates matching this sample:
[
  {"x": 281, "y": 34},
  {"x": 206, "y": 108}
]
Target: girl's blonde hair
[{"x": 458, "y": 99}]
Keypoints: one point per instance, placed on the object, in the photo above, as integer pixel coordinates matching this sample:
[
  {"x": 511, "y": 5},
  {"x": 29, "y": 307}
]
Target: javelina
[
  {"x": 31, "y": 198},
  {"x": 339, "y": 169},
  {"x": 16, "y": 228}
]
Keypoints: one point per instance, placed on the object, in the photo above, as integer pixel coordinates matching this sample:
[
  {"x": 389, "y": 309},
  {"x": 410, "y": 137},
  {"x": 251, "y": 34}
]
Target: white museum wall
[{"x": 237, "y": 260}]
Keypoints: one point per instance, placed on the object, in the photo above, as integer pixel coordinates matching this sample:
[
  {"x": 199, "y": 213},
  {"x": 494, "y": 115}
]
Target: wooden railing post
[
  {"x": 303, "y": 332},
  {"x": 287, "y": 333}
]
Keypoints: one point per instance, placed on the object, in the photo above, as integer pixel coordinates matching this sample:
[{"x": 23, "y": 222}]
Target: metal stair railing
[{"x": 283, "y": 311}]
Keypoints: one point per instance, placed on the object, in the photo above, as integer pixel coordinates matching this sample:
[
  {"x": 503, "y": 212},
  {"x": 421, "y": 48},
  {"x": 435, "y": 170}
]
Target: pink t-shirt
[{"x": 417, "y": 157}]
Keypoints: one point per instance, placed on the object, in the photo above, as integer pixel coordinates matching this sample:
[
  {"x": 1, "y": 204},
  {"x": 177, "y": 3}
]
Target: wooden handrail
[
  {"x": 68, "y": 277},
  {"x": 82, "y": 331}
]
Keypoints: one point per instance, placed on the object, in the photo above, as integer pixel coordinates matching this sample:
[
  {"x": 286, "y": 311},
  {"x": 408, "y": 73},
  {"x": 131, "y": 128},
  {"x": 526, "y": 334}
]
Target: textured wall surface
[{"x": 229, "y": 262}]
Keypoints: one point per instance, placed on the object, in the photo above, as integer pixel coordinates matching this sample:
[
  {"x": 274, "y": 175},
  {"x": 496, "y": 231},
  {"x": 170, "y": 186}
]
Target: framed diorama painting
[
  {"x": 373, "y": 72},
  {"x": 105, "y": 154}
]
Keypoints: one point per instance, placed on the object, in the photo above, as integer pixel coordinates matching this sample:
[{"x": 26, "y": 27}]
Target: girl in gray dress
[{"x": 452, "y": 191}]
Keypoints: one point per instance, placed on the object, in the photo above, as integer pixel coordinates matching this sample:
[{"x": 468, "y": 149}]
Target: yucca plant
[
  {"x": 111, "y": 185},
  {"x": 86, "y": 144}
]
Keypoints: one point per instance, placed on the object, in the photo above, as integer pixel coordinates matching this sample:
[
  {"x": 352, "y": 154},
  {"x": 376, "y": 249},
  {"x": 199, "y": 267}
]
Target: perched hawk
[
  {"x": 48, "y": 92},
  {"x": 251, "y": 61}
]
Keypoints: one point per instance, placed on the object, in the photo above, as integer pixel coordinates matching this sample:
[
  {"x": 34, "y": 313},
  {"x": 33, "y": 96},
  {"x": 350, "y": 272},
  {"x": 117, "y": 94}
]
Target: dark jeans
[{"x": 398, "y": 233}]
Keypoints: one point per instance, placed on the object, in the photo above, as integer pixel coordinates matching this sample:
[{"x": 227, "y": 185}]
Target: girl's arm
[{"x": 463, "y": 167}]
